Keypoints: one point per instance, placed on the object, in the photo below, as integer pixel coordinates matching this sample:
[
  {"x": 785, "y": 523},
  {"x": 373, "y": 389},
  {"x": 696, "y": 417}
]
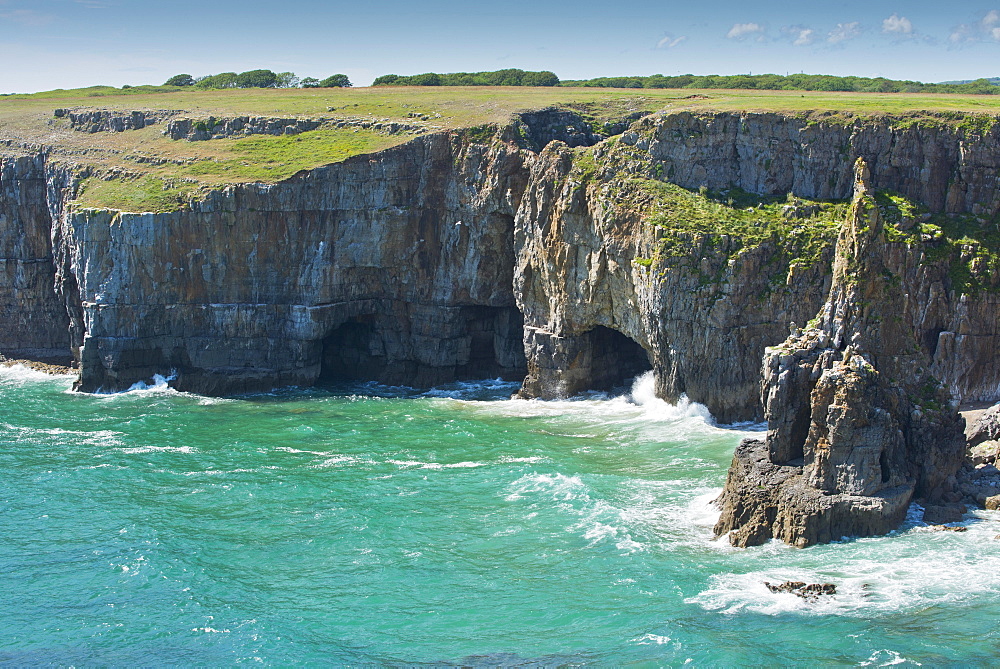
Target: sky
[{"x": 48, "y": 44}]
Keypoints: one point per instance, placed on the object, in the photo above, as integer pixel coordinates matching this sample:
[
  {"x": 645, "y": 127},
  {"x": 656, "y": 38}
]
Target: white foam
[
  {"x": 156, "y": 449},
  {"x": 701, "y": 512},
  {"x": 643, "y": 394},
  {"x": 289, "y": 449},
  {"x": 159, "y": 385},
  {"x": 912, "y": 569},
  {"x": 436, "y": 465},
  {"x": 336, "y": 461},
  {"x": 886, "y": 658},
  {"x": 531, "y": 460},
  {"x": 635, "y": 414},
  {"x": 19, "y": 374},
  {"x": 559, "y": 486},
  {"x": 483, "y": 389},
  {"x": 627, "y": 524}
]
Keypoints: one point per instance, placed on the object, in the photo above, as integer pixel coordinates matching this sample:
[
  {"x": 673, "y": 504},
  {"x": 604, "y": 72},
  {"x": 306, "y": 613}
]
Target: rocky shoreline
[{"x": 54, "y": 369}]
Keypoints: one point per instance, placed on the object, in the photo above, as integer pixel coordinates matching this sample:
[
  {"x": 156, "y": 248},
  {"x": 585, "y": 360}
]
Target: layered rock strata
[
  {"x": 590, "y": 257},
  {"x": 35, "y": 323},
  {"x": 195, "y": 130},
  {"x": 105, "y": 120},
  {"x": 395, "y": 256},
  {"x": 396, "y": 268},
  {"x": 857, "y": 424}
]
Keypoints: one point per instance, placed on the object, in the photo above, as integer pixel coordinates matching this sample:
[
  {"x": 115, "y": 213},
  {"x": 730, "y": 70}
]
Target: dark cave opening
[
  {"x": 616, "y": 359},
  {"x": 931, "y": 338},
  {"x": 496, "y": 344},
  {"x": 348, "y": 354},
  {"x": 435, "y": 346},
  {"x": 797, "y": 436}
]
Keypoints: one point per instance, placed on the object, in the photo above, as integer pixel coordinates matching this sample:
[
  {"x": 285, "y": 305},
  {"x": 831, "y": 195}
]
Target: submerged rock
[{"x": 810, "y": 592}]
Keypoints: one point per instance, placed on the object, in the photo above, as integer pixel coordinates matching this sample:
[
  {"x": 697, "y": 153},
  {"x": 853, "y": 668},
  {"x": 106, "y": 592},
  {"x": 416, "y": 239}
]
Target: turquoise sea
[{"x": 369, "y": 525}]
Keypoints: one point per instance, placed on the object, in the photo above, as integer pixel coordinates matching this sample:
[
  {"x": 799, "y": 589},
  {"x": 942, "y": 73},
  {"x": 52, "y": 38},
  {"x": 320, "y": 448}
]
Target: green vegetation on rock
[
  {"x": 969, "y": 244},
  {"x": 268, "y": 158},
  {"x": 259, "y": 158},
  {"x": 138, "y": 194},
  {"x": 805, "y": 228}
]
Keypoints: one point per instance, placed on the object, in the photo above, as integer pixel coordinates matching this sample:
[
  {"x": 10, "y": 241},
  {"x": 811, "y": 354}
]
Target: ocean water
[{"x": 369, "y": 525}]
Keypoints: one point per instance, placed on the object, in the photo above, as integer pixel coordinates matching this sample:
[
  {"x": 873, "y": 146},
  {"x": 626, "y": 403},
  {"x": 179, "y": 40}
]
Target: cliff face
[
  {"x": 399, "y": 266},
  {"x": 35, "y": 324},
  {"x": 949, "y": 168},
  {"x": 592, "y": 257},
  {"x": 396, "y": 268},
  {"x": 672, "y": 247},
  {"x": 700, "y": 318}
]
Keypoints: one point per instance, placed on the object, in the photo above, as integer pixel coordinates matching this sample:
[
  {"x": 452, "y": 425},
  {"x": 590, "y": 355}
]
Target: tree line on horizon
[
  {"x": 509, "y": 77},
  {"x": 790, "y": 82},
  {"x": 517, "y": 77},
  {"x": 257, "y": 79},
  {"x": 774, "y": 82}
]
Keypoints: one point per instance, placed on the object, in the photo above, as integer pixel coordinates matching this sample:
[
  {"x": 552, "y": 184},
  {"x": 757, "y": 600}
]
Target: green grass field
[{"x": 185, "y": 167}]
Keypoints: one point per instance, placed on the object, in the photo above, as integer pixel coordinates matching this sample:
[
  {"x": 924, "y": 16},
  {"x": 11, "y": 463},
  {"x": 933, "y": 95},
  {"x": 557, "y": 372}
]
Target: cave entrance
[
  {"x": 496, "y": 344},
  {"x": 616, "y": 359},
  {"x": 348, "y": 353},
  {"x": 426, "y": 346}
]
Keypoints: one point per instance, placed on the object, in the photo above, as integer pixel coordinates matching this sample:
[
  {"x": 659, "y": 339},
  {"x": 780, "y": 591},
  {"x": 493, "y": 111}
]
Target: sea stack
[{"x": 856, "y": 425}]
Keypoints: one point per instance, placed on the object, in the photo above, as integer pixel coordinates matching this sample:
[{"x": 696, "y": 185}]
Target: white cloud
[
  {"x": 669, "y": 41},
  {"x": 747, "y": 30},
  {"x": 799, "y": 35},
  {"x": 984, "y": 30},
  {"x": 843, "y": 32},
  {"x": 804, "y": 37},
  {"x": 896, "y": 24}
]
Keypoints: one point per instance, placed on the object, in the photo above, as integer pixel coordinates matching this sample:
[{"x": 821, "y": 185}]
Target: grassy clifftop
[{"x": 144, "y": 169}]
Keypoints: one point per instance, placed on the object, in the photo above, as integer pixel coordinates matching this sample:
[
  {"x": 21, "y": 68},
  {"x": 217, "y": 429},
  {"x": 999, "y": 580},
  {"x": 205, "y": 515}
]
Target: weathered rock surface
[
  {"x": 857, "y": 426},
  {"x": 454, "y": 256},
  {"x": 978, "y": 482},
  {"x": 106, "y": 120},
  {"x": 704, "y": 320},
  {"x": 986, "y": 427},
  {"x": 810, "y": 592},
  {"x": 946, "y": 168},
  {"x": 35, "y": 324},
  {"x": 194, "y": 129},
  {"x": 396, "y": 269},
  {"x": 557, "y": 125}
]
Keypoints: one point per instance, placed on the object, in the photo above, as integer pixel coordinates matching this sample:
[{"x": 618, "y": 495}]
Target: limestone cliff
[
  {"x": 544, "y": 250},
  {"x": 703, "y": 302},
  {"x": 35, "y": 324}
]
